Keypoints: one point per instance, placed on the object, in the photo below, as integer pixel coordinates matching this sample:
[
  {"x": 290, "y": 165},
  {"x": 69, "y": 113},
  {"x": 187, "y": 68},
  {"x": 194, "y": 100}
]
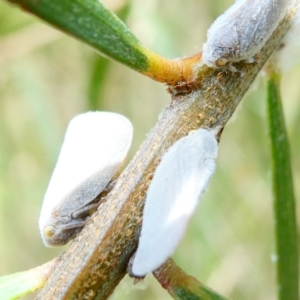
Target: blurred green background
[{"x": 46, "y": 78}]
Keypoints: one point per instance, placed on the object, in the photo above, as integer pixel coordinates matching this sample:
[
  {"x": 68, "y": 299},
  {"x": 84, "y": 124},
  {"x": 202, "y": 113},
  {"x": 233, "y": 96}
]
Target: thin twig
[{"x": 96, "y": 260}]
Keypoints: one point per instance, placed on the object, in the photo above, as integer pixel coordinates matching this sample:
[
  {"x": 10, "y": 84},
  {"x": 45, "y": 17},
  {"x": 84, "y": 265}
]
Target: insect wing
[
  {"x": 178, "y": 182},
  {"x": 95, "y": 145},
  {"x": 241, "y": 31}
]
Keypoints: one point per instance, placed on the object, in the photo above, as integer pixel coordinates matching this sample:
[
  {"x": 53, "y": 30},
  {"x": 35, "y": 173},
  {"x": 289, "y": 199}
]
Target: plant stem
[
  {"x": 97, "y": 259},
  {"x": 284, "y": 203}
]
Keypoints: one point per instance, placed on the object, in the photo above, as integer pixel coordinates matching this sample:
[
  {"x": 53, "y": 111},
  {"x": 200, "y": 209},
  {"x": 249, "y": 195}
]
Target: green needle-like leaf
[
  {"x": 91, "y": 22},
  {"x": 19, "y": 284},
  {"x": 182, "y": 286},
  {"x": 284, "y": 203}
]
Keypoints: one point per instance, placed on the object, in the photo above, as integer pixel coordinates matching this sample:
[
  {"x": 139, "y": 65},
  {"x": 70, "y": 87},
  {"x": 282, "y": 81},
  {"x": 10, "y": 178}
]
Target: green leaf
[
  {"x": 19, "y": 284},
  {"x": 98, "y": 69},
  {"x": 182, "y": 286},
  {"x": 284, "y": 202},
  {"x": 91, "y": 22}
]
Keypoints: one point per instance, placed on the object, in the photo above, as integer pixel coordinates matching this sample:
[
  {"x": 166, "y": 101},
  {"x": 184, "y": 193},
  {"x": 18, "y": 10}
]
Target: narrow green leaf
[
  {"x": 182, "y": 286},
  {"x": 197, "y": 293},
  {"x": 16, "y": 285},
  {"x": 98, "y": 69},
  {"x": 91, "y": 22},
  {"x": 284, "y": 203},
  {"x": 19, "y": 284}
]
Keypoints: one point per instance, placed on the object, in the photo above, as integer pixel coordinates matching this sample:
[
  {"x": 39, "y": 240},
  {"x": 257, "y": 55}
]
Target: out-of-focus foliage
[
  {"x": 286, "y": 233},
  {"x": 47, "y": 77}
]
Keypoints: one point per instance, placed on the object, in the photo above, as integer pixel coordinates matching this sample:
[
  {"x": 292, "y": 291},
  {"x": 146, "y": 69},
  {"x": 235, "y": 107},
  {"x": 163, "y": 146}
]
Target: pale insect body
[
  {"x": 179, "y": 180},
  {"x": 242, "y": 30},
  {"x": 94, "y": 147}
]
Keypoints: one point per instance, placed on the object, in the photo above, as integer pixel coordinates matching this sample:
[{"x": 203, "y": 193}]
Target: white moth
[
  {"x": 94, "y": 147},
  {"x": 179, "y": 180},
  {"x": 242, "y": 30}
]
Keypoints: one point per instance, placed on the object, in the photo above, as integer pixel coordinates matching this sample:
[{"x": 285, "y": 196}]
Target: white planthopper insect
[
  {"x": 242, "y": 30},
  {"x": 179, "y": 180},
  {"x": 94, "y": 147}
]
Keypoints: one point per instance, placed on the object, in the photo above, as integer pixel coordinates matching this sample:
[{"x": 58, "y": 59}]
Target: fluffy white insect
[
  {"x": 240, "y": 32},
  {"x": 178, "y": 182},
  {"x": 94, "y": 147}
]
